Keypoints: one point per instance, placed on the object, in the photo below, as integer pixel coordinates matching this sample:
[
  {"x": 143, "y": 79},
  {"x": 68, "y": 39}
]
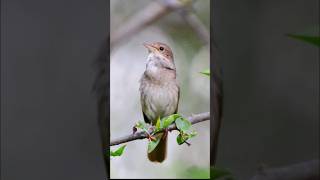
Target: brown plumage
[{"x": 159, "y": 91}]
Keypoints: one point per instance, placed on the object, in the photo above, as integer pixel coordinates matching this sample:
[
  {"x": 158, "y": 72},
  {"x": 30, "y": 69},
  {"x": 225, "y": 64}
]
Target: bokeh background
[{"x": 127, "y": 64}]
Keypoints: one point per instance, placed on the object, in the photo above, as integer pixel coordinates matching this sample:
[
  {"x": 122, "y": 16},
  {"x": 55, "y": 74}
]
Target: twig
[
  {"x": 142, "y": 135},
  {"x": 144, "y": 18},
  {"x": 196, "y": 25},
  {"x": 308, "y": 170}
]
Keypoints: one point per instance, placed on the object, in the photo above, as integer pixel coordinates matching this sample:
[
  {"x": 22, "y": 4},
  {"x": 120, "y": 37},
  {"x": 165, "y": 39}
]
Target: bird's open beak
[{"x": 149, "y": 47}]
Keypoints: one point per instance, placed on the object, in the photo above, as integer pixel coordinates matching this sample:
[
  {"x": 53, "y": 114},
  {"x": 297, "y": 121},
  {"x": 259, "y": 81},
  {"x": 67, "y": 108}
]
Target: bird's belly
[{"x": 160, "y": 101}]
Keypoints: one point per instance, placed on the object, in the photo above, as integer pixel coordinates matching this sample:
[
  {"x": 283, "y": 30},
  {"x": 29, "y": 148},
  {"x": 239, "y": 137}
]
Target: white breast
[
  {"x": 160, "y": 100},
  {"x": 159, "y": 91}
]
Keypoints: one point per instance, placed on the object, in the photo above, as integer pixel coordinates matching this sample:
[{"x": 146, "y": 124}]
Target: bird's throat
[{"x": 159, "y": 68}]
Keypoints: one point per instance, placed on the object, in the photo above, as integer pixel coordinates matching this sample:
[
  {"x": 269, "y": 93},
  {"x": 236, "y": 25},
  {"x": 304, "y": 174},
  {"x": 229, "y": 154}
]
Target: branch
[
  {"x": 308, "y": 170},
  {"x": 142, "y": 135},
  {"x": 196, "y": 25},
  {"x": 150, "y": 14}
]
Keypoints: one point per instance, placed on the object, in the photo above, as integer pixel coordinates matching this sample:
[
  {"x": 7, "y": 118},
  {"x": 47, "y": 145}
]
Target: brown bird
[{"x": 159, "y": 92}]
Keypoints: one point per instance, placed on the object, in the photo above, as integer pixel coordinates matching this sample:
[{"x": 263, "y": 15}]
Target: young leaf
[
  {"x": 169, "y": 120},
  {"x": 192, "y": 134},
  {"x": 206, "y": 72},
  {"x": 182, "y": 137},
  {"x": 183, "y": 124},
  {"x": 118, "y": 152},
  {"x": 179, "y": 139},
  {"x": 153, "y": 144},
  {"x": 314, "y": 40},
  {"x": 158, "y": 124},
  {"x": 141, "y": 125}
]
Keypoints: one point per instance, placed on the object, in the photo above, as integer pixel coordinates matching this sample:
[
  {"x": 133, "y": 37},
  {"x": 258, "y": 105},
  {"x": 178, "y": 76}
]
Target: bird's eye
[{"x": 161, "y": 48}]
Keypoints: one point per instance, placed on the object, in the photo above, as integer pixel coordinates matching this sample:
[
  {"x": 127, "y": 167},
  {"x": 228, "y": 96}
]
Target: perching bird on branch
[{"x": 159, "y": 92}]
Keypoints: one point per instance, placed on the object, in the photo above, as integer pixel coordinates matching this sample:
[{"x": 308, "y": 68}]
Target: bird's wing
[
  {"x": 145, "y": 118},
  {"x": 142, "y": 102}
]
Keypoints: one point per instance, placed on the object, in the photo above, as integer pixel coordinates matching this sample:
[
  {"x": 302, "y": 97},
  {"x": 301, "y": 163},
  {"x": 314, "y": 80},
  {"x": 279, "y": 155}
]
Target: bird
[{"x": 159, "y": 92}]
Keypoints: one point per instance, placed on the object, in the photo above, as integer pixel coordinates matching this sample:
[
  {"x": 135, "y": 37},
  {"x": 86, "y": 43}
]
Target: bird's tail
[{"x": 160, "y": 152}]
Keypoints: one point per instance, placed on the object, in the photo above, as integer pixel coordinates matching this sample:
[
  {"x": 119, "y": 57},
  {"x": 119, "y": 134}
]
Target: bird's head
[{"x": 160, "y": 55}]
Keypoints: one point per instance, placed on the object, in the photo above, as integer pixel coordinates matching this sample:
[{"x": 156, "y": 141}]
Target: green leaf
[
  {"x": 182, "y": 137},
  {"x": 141, "y": 125},
  {"x": 118, "y": 152},
  {"x": 314, "y": 40},
  {"x": 183, "y": 124},
  {"x": 153, "y": 144},
  {"x": 158, "y": 124},
  {"x": 206, "y": 72},
  {"x": 179, "y": 139},
  {"x": 169, "y": 120},
  {"x": 192, "y": 134}
]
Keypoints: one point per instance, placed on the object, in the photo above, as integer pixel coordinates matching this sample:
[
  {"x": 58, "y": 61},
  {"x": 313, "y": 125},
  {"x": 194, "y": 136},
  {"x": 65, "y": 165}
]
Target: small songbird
[{"x": 159, "y": 92}]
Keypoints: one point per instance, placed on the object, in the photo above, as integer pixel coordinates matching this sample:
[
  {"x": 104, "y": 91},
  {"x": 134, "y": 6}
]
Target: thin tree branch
[
  {"x": 150, "y": 14},
  {"x": 142, "y": 135},
  {"x": 308, "y": 170},
  {"x": 196, "y": 25}
]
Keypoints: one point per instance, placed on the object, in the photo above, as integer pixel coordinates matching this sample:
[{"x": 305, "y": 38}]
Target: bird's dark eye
[{"x": 161, "y": 48}]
